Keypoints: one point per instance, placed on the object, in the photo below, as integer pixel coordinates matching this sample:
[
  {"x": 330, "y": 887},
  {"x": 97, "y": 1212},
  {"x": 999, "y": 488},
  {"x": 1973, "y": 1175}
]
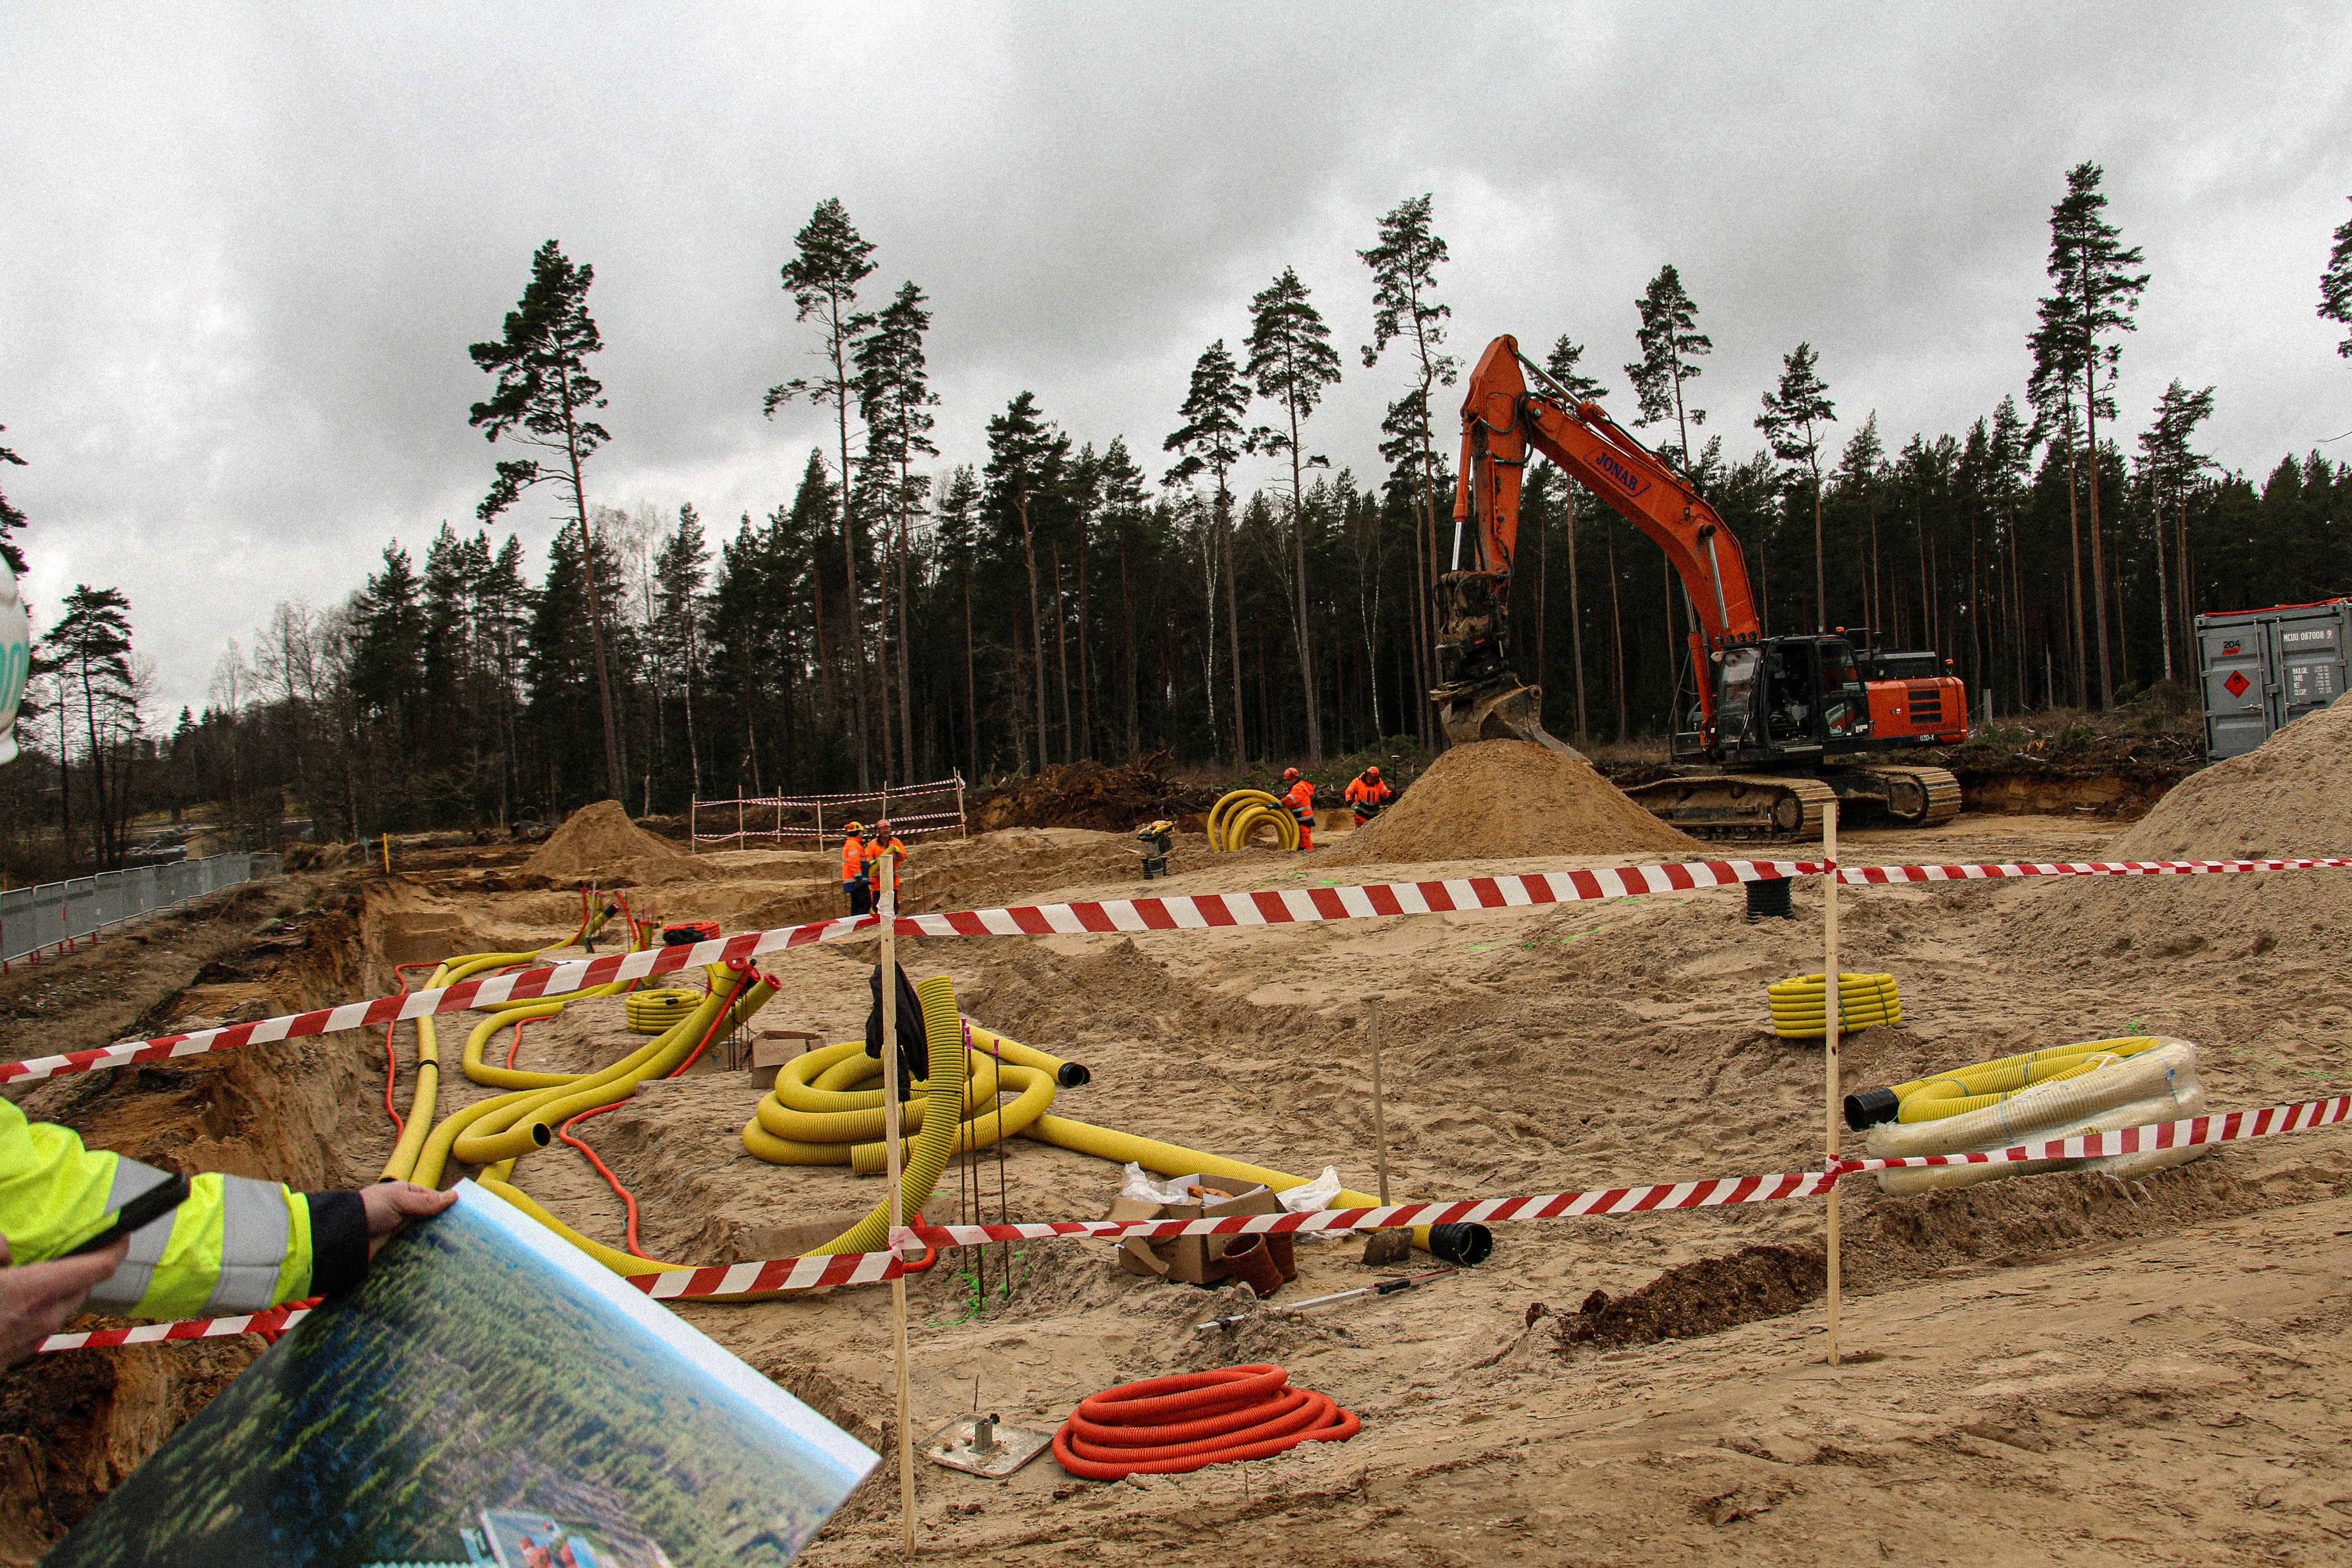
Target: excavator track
[
  {"x": 1918, "y": 798},
  {"x": 1740, "y": 805}
]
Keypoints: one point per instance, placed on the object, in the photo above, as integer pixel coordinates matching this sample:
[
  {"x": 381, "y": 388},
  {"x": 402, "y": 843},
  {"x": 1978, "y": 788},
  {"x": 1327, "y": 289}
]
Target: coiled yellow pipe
[
  {"x": 1864, "y": 1001},
  {"x": 817, "y": 1114},
  {"x": 943, "y": 1033},
  {"x": 1991, "y": 1083},
  {"x": 651, "y": 1011},
  {"x": 1243, "y": 812}
]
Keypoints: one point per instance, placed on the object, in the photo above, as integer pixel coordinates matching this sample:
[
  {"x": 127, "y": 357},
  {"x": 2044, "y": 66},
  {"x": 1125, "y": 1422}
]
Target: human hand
[
  {"x": 36, "y": 1298},
  {"x": 391, "y": 1204}
]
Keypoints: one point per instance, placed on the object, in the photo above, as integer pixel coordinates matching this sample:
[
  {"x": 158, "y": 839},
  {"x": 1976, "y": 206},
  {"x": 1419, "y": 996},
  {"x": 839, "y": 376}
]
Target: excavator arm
[{"x": 1479, "y": 696}]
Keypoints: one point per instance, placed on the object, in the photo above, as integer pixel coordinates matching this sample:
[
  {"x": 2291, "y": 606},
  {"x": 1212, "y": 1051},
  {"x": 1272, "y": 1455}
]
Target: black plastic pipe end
[
  {"x": 1464, "y": 1246},
  {"x": 1870, "y": 1107},
  {"x": 1069, "y": 1075}
]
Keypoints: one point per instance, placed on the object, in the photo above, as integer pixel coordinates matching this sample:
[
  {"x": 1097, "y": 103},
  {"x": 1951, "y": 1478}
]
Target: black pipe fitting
[{"x": 1870, "y": 1107}]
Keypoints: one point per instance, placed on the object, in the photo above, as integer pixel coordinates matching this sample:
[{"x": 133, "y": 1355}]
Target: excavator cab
[{"x": 1780, "y": 698}]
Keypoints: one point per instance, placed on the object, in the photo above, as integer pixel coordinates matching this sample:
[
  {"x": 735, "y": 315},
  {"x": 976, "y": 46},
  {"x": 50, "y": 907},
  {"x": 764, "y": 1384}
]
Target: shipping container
[{"x": 2263, "y": 668}]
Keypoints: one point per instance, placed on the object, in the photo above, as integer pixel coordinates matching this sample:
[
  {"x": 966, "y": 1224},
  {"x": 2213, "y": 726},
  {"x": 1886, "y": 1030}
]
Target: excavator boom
[{"x": 1780, "y": 703}]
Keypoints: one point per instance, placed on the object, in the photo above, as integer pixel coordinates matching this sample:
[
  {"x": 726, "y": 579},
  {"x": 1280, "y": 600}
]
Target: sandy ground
[
  {"x": 2035, "y": 1343},
  {"x": 2054, "y": 1369}
]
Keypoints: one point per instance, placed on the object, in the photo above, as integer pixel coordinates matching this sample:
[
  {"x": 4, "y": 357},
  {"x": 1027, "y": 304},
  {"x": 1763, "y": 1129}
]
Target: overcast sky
[{"x": 243, "y": 250}]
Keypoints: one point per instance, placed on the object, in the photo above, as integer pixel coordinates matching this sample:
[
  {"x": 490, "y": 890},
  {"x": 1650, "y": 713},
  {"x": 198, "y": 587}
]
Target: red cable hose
[
  {"x": 1168, "y": 1426},
  {"x": 391, "y": 1058}
]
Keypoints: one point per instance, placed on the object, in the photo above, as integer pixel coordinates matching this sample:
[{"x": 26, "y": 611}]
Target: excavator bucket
[{"x": 1500, "y": 710}]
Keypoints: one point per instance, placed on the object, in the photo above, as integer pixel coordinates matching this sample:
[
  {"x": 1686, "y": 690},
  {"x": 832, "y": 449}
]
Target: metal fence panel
[{"x": 34, "y": 917}]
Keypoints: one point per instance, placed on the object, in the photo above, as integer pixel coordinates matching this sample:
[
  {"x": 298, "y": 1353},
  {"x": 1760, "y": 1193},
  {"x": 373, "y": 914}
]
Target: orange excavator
[{"x": 1782, "y": 724}]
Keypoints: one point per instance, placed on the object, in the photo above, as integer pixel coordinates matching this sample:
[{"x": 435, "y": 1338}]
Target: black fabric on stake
[{"x": 914, "y": 1046}]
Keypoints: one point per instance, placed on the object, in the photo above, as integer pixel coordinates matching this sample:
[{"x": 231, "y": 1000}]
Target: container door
[
  {"x": 2311, "y": 656},
  {"x": 2235, "y": 660}
]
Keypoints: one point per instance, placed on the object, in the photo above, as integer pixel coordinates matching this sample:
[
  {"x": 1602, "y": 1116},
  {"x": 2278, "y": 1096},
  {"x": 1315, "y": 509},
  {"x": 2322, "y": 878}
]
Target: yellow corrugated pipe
[
  {"x": 1864, "y": 1001},
  {"x": 652, "y": 1011},
  {"x": 1991, "y": 1083},
  {"x": 1243, "y": 812},
  {"x": 1173, "y": 1160},
  {"x": 817, "y": 1116},
  {"x": 943, "y": 1033}
]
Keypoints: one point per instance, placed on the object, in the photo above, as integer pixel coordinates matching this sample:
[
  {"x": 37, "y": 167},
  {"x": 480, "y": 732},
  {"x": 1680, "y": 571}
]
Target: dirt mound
[
  {"x": 1702, "y": 1298},
  {"x": 1086, "y": 794},
  {"x": 600, "y": 841},
  {"x": 2288, "y": 798},
  {"x": 1505, "y": 799}
]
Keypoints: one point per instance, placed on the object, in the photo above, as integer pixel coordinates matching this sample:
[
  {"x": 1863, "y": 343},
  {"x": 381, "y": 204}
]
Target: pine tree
[
  {"x": 2096, "y": 296},
  {"x": 1671, "y": 346},
  {"x": 2170, "y": 470},
  {"x": 1793, "y": 423},
  {"x": 895, "y": 400},
  {"x": 680, "y": 572},
  {"x": 91, "y": 647},
  {"x": 2335, "y": 291},
  {"x": 1404, "y": 284},
  {"x": 1212, "y": 440},
  {"x": 545, "y": 391},
  {"x": 1026, "y": 458},
  {"x": 11, "y": 519},
  {"x": 1291, "y": 363},
  {"x": 829, "y": 260},
  {"x": 1578, "y": 388},
  {"x": 1858, "y": 472}
]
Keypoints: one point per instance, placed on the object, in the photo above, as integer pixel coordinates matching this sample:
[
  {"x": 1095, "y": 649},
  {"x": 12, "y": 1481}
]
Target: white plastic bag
[
  {"x": 1316, "y": 1194},
  {"x": 1144, "y": 1187}
]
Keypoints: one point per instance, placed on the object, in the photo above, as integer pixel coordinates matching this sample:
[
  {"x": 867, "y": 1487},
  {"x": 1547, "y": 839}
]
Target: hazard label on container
[{"x": 2237, "y": 683}]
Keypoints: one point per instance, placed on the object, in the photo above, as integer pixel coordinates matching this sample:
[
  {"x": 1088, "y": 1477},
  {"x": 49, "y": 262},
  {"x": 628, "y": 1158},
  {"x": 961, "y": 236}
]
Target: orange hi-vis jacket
[
  {"x": 853, "y": 859},
  {"x": 1364, "y": 792},
  {"x": 875, "y": 849},
  {"x": 1301, "y": 801}
]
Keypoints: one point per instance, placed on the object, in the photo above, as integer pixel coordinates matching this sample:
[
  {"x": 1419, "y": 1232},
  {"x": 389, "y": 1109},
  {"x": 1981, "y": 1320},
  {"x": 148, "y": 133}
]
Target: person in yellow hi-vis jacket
[{"x": 233, "y": 1245}]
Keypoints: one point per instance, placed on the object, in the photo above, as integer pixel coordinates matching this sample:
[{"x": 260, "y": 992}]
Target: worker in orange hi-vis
[
  {"x": 1299, "y": 795},
  {"x": 853, "y": 869},
  {"x": 1367, "y": 792},
  {"x": 882, "y": 842}
]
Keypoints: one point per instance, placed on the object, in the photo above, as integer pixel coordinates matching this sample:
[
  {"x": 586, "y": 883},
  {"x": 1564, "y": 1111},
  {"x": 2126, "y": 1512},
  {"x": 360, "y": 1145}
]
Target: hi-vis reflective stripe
[
  {"x": 1207, "y": 911},
  {"x": 870, "y": 1268}
]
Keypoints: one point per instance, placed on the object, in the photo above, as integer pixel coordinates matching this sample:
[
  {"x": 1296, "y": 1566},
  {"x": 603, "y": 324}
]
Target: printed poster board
[{"x": 490, "y": 1395}]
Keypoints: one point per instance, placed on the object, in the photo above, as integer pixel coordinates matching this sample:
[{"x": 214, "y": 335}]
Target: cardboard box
[
  {"x": 1194, "y": 1259},
  {"x": 773, "y": 1047}
]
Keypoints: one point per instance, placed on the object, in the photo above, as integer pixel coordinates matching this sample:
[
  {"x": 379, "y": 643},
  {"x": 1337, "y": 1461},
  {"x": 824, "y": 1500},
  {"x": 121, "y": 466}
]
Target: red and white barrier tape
[
  {"x": 276, "y": 1320},
  {"x": 1874, "y": 875},
  {"x": 872, "y": 1268},
  {"x": 1204, "y": 912}
]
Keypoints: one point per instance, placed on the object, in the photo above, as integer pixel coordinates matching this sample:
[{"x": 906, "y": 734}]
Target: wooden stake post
[
  {"x": 889, "y": 991},
  {"x": 1832, "y": 1000},
  {"x": 1380, "y": 1109}
]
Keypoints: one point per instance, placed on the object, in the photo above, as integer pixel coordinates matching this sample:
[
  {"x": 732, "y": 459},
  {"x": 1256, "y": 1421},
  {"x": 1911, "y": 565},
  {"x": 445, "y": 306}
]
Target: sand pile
[
  {"x": 599, "y": 842},
  {"x": 2289, "y": 798},
  {"x": 1504, "y": 799}
]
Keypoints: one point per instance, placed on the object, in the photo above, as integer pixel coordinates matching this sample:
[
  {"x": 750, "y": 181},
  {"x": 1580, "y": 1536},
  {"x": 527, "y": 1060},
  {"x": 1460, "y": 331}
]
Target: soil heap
[
  {"x": 1497, "y": 800},
  {"x": 601, "y": 843},
  {"x": 1086, "y": 793},
  {"x": 2289, "y": 798}
]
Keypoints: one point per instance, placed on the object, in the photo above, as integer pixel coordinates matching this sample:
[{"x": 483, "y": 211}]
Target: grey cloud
[{"x": 244, "y": 250}]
